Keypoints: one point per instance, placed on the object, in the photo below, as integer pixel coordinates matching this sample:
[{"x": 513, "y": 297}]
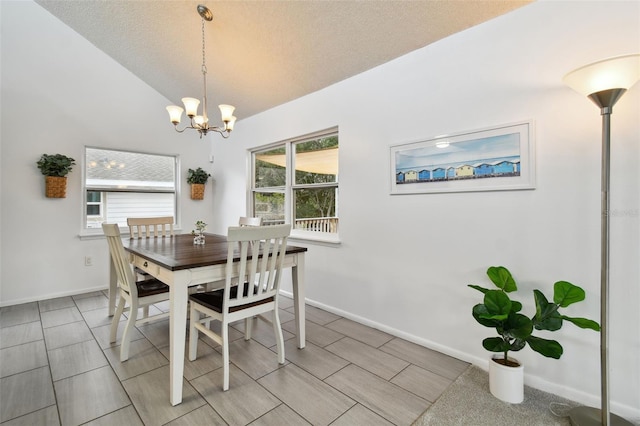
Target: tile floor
[{"x": 57, "y": 367}]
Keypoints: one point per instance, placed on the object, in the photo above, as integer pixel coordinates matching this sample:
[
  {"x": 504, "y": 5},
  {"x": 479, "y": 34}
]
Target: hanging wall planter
[
  {"x": 197, "y": 178},
  {"x": 197, "y": 191},
  {"x": 55, "y": 169}
]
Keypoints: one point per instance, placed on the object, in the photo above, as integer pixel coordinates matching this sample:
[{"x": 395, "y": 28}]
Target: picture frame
[{"x": 498, "y": 158}]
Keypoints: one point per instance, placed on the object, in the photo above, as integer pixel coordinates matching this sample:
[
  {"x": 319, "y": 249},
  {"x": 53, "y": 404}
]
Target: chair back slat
[
  {"x": 146, "y": 227},
  {"x": 121, "y": 264},
  {"x": 250, "y": 221},
  {"x": 261, "y": 251}
]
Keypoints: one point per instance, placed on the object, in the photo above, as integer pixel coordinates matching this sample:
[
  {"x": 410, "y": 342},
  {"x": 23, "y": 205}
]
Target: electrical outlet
[{"x": 88, "y": 261}]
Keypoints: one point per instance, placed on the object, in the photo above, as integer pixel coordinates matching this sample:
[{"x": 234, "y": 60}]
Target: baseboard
[{"x": 51, "y": 296}]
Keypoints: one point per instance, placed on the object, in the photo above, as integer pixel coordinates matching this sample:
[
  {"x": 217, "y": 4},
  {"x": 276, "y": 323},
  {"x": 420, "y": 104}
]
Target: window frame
[
  {"x": 89, "y": 233},
  {"x": 290, "y": 186}
]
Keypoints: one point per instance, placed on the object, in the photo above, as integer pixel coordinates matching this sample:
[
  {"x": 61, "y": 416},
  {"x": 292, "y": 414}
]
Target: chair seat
[
  {"x": 151, "y": 287},
  {"x": 213, "y": 299}
]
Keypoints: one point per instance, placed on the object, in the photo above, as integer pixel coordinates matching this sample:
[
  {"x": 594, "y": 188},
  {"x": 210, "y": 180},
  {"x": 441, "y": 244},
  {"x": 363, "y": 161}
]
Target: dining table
[{"x": 178, "y": 262}]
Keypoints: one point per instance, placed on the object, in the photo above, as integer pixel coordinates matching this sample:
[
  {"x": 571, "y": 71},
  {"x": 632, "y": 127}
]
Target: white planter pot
[{"x": 506, "y": 383}]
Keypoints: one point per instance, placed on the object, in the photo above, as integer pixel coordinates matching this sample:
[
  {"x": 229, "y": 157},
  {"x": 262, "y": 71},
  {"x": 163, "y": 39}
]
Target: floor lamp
[{"x": 604, "y": 82}]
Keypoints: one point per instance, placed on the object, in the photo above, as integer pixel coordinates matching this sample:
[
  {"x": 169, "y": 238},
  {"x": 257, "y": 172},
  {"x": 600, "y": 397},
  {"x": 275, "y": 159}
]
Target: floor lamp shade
[
  {"x": 604, "y": 82},
  {"x": 620, "y": 72}
]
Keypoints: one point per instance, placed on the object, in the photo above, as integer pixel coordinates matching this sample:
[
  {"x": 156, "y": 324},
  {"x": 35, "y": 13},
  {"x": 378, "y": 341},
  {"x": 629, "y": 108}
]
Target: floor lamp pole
[
  {"x": 587, "y": 416},
  {"x": 604, "y": 267}
]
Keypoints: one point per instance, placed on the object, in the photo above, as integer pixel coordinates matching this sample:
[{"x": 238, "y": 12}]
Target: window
[
  {"x": 296, "y": 181},
  {"x": 121, "y": 184}
]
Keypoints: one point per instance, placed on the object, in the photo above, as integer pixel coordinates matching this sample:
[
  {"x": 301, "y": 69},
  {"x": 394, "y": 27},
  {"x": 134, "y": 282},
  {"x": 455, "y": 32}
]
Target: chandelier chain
[{"x": 204, "y": 64}]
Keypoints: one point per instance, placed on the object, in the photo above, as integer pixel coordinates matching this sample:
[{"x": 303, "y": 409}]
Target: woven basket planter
[
  {"x": 56, "y": 186},
  {"x": 197, "y": 191}
]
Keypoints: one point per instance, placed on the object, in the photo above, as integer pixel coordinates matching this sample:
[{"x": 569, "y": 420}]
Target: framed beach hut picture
[{"x": 493, "y": 159}]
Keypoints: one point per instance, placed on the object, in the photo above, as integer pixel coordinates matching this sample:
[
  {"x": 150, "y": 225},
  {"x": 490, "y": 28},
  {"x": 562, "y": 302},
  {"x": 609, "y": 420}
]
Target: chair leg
[
  {"x": 279, "y": 338},
  {"x": 116, "y": 320},
  {"x": 126, "y": 335},
  {"x": 225, "y": 354},
  {"x": 248, "y": 323},
  {"x": 193, "y": 333},
  {"x": 145, "y": 312}
]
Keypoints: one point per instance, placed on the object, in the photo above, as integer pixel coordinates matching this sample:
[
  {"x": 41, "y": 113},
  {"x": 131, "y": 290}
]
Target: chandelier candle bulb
[
  {"x": 226, "y": 111},
  {"x": 191, "y": 106},
  {"x": 175, "y": 114},
  {"x": 231, "y": 123}
]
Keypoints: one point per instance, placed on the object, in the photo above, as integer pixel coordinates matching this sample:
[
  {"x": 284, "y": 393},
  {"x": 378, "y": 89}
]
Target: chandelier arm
[
  {"x": 180, "y": 131},
  {"x": 223, "y": 131}
]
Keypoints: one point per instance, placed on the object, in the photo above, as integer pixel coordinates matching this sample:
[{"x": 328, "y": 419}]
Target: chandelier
[{"x": 201, "y": 122}]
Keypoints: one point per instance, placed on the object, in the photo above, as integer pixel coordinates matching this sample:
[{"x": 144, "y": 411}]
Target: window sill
[{"x": 315, "y": 237}]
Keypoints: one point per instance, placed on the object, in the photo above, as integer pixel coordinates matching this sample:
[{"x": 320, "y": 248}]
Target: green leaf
[
  {"x": 552, "y": 322},
  {"x": 583, "y": 323},
  {"x": 502, "y": 278},
  {"x": 477, "y": 287},
  {"x": 548, "y": 348},
  {"x": 547, "y": 316},
  {"x": 481, "y": 315},
  {"x": 565, "y": 293},
  {"x": 518, "y": 326},
  {"x": 498, "y": 304},
  {"x": 516, "y": 306},
  {"x": 517, "y": 345},
  {"x": 495, "y": 344}
]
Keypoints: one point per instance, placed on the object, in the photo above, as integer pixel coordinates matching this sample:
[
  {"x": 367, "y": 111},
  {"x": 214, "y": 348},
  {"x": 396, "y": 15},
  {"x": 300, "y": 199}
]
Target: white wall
[
  {"x": 405, "y": 261},
  {"x": 60, "y": 93}
]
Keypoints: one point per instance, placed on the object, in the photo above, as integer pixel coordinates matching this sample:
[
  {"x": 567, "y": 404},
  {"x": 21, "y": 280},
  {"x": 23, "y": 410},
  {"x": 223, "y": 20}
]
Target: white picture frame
[{"x": 498, "y": 158}]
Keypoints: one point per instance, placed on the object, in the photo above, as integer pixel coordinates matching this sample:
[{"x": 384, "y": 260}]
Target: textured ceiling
[{"x": 263, "y": 53}]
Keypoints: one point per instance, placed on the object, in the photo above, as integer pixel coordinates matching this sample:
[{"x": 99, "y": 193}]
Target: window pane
[
  {"x": 121, "y": 205},
  {"x": 269, "y": 206},
  {"x": 316, "y": 161},
  {"x": 129, "y": 171},
  {"x": 93, "y": 210},
  {"x": 93, "y": 197},
  {"x": 315, "y": 209},
  {"x": 270, "y": 168}
]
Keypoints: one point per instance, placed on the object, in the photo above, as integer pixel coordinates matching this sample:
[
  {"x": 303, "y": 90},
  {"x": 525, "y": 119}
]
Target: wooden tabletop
[{"x": 178, "y": 251}]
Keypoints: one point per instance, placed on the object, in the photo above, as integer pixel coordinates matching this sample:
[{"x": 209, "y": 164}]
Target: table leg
[
  {"x": 178, "y": 295},
  {"x": 113, "y": 287},
  {"x": 297, "y": 275}
]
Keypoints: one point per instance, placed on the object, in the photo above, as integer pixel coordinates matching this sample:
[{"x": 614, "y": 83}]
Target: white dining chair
[
  {"x": 135, "y": 294},
  {"x": 146, "y": 227},
  {"x": 261, "y": 271},
  {"x": 149, "y": 227}
]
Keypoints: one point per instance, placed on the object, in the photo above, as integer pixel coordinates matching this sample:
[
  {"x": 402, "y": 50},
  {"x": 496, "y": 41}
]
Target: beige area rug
[{"x": 468, "y": 402}]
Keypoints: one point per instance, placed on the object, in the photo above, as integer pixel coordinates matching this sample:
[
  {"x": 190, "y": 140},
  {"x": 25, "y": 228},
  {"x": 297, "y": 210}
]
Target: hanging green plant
[
  {"x": 197, "y": 176},
  {"x": 55, "y": 165}
]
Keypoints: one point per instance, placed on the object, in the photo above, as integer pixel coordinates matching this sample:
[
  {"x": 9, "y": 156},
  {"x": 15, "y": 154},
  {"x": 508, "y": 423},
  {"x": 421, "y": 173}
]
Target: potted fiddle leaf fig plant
[
  {"x": 515, "y": 330},
  {"x": 55, "y": 168},
  {"x": 197, "y": 178}
]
